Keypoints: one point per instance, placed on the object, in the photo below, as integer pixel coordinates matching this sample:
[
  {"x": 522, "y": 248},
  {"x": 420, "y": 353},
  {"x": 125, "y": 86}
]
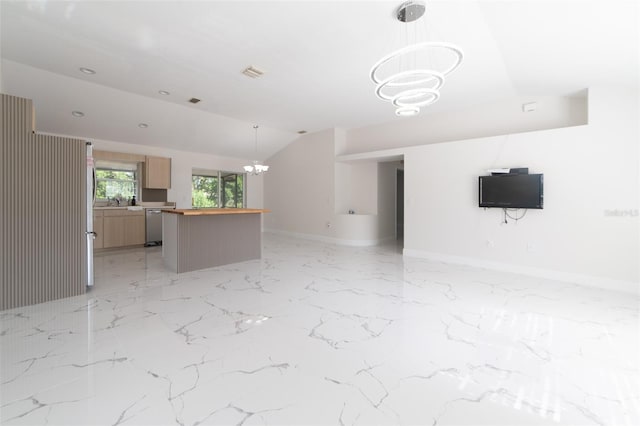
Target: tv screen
[{"x": 511, "y": 191}]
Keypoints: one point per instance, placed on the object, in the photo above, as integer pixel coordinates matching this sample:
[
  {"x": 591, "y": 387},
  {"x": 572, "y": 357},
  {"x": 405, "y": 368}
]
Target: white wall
[
  {"x": 354, "y": 189},
  {"x": 182, "y": 163},
  {"x": 485, "y": 119},
  {"x": 588, "y": 170},
  {"x": 299, "y": 187},
  {"x": 306, "y": 190}
]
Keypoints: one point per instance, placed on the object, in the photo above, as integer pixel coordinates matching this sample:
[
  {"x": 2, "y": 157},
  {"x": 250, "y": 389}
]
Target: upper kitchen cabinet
[{"x": 157, "y": 173}]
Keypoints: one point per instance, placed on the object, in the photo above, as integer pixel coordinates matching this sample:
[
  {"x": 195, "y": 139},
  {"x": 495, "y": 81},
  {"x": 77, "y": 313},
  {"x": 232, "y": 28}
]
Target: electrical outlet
[{"x": 328, "y": 224}]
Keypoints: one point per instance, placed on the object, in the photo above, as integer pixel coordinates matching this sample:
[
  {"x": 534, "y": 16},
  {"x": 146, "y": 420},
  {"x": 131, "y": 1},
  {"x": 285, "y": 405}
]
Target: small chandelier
[
  {"x": 256, "y": 168},
  {"x": 410, "y": 88}
]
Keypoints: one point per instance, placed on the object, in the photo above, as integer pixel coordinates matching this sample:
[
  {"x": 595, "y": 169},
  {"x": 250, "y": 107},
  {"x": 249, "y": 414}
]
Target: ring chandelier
[{"x": 409, "y": 90}]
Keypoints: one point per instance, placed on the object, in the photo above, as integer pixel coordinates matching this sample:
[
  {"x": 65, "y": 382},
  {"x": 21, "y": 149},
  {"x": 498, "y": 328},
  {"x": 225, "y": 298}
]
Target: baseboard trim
[
  {"x": 588, "y": 280},
  {"x": 330, "y": 240}
]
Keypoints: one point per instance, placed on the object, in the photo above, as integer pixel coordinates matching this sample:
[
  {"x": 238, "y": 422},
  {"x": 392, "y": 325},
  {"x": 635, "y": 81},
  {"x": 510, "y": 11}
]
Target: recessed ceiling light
[
  {"x": 143, "y": 125},
  {"x": 77, "y": 114},
  {"x": 87, "y": 70},
  {"x": 194, "y": 100},
  {"x": 302, "y": 132},
  {"x": 163, "y": 92}
]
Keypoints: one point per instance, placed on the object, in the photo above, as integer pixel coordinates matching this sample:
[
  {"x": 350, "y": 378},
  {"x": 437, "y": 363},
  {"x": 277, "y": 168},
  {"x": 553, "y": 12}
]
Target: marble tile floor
[{"x": 318, "y": 334}]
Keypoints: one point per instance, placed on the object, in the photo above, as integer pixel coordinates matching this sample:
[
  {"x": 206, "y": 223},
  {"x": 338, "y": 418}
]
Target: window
[
  {"x": 120, "y": 183},
  {"x": 233, "y": 191},
  {"x": 217, "y": 189},
  {"x": 204, "y": 191}
]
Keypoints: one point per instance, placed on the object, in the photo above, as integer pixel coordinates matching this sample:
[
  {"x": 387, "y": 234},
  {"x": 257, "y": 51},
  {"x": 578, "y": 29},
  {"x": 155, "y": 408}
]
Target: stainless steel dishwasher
[{"x": 153, "y": 227}]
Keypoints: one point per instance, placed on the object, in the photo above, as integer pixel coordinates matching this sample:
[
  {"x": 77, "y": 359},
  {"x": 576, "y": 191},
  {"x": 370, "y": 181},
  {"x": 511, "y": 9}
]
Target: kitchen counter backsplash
[{"x": 143, "y": 204}]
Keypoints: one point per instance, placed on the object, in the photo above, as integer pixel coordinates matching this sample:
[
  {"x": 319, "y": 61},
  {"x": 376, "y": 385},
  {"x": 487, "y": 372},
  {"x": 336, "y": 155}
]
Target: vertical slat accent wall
[{"x": 42, "y": 204}]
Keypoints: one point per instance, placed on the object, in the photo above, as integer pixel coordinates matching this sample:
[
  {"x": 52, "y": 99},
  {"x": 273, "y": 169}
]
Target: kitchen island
[{"x": 195, "y": 239}]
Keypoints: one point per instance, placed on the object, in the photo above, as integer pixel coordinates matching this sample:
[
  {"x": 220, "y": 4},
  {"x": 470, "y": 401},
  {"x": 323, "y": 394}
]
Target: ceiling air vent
[
  {"x": 194, "y": 100},
  {"x": 252, "y": 72}
]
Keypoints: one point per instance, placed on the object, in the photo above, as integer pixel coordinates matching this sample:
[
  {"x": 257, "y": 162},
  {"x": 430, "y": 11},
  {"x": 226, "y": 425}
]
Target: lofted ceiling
[{"x": 316, "y": 56}]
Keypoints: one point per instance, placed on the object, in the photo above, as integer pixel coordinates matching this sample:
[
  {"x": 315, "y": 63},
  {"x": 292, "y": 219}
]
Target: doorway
[{"x": 399, "y": 204}]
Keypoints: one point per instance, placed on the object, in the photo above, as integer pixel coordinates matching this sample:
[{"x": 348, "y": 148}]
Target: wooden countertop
[{"x": 208, "y": 212}]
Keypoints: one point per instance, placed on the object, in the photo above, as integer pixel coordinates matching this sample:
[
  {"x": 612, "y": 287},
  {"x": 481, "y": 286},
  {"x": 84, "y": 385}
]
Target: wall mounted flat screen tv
[{"x": 511, "y": 191}]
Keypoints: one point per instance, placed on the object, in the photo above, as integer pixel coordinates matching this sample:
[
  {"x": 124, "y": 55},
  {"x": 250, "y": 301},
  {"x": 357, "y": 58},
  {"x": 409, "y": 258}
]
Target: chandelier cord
[{"x": 255, "y": 127}]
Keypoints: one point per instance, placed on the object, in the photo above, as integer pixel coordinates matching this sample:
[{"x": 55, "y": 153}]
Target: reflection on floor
[{"x": 321, "y": 334}]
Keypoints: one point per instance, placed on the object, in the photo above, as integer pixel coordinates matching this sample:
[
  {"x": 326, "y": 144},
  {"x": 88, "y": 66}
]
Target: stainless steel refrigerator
[{"x": 91, "y": 199}]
